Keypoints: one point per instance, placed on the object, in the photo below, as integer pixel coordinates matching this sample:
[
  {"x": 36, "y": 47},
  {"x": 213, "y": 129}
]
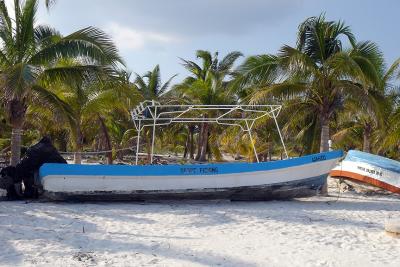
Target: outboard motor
[{"x": 26, "y": 170}]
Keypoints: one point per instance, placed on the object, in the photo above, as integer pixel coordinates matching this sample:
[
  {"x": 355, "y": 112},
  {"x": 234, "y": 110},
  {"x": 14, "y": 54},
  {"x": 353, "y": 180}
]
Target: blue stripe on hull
[
  {"x": 288, "y": 190},
  {"x": 185, "y": 170}
]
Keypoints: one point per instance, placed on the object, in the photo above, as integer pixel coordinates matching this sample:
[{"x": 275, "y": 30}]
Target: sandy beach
[
  {"x": 233, "y": 102},
  {"x": 321, "y": 231}
]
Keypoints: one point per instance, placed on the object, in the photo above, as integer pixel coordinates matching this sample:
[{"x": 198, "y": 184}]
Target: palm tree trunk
[
  {"x": 199, "y": 142},
  {"x": 78, "y": 146},
  {"x": 15, "y": 145},
  {"x": 63, "y": 140},
  {"x": 16, "y": 112},
  {"x": 191, "y": 148},
  {"x": 324, "y": 134},
  {"x": 209, "y": 152},
  {"x": 204, "y": 141},
  {"x": 324, "y": 145},
  {"x": 186, "y": 146},
  {"x": 367, "y": 138},
  {"x": 107, "y": 139}
]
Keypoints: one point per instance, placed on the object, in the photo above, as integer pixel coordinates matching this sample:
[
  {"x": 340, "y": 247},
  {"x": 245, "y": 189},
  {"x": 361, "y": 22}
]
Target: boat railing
[{"x": 153, "y": 114}]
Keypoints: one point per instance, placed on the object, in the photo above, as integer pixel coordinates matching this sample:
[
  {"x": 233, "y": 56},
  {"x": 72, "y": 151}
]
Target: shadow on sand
[{"x": 76, "y": 226}]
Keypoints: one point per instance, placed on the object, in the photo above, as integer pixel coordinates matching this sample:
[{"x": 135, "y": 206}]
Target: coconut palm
[
  {"x": 207, "y": 85},
  {"x": 28, "y": 54},
  {"x": 150, "y": 84},
  {"x": 44, "y": 121},
  {"x": 389, "y": 136},
  {"x": 90, "y": 103},
  {"x": 369, "y": 122},
  {"x": 175, "y": 96},
  {"x": 316, "y": 76},
  {"x": 4, "y": 132},
  {"x": 151, "y": 88},
  {"x": 356, "y": 125}
]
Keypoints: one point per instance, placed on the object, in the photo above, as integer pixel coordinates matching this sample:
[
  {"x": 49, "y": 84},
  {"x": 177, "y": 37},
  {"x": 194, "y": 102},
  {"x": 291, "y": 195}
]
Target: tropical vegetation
[{"x": 336, "y": 92}]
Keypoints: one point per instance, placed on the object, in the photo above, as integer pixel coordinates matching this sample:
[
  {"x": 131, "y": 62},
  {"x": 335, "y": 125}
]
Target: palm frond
[
  {"x": 55, "y": 102},
  {"x": 257, "y": 71},
  {"x": 278, "y": 91},
  {"x": 192, "y": 67},
  {"x": 45, "y": 35},
  {"x": 391, "y": 72},
  {"x": 165, "y": 86},
  {"x": 74, "y": 74},
  {"x": 297, "y": 63},
  {"x": 226, "y": 64},
  {"x": 5, "y": 20},
  {"x": 90, "y": 43},
  {"x": 154, "y": 80}
]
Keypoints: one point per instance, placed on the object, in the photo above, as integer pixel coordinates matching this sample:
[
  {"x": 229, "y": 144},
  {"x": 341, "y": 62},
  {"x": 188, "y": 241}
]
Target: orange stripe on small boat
[{"x": 364, "y": 179}]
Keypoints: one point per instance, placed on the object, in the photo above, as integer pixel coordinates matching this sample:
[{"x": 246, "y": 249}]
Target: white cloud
[{"x": 129, "y": 38}]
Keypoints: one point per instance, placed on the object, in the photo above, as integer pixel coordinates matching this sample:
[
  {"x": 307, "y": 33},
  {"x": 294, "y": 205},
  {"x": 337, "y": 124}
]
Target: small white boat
[
  {"x": 370, "y": 169},
  {"x": 285, "y": 179}
]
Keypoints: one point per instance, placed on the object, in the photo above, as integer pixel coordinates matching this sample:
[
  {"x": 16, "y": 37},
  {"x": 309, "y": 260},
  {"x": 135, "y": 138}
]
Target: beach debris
[
  {"x": 392, "y": 226},
  {"x": 84, "y": 256}
]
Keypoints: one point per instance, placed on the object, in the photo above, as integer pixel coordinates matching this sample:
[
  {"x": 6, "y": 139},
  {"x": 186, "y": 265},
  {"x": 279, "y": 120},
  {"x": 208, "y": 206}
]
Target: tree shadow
[
  {"x": 67, "y": 226},
  {"x": 77, "y": 226}
]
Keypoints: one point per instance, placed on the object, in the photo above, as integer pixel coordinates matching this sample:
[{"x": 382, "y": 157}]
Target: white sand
[{"x": 308, "y": 232}]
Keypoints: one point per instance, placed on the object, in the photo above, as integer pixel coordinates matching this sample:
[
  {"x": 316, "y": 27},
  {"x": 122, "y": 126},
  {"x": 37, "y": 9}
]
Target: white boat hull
[
  {"x": 370, "y": 169},
  {"x": 225, "y": 180}
]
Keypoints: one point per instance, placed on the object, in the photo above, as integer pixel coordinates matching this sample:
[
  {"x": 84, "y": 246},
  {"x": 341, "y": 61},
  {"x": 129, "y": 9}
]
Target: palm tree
[
  {"x": 4, "y": 132},
  {"x": 389, "y": 135},
  {"x": 356, "y": 125},
  {"x": 44, "y": 121},
  {"x": 94, "y": 99},
  {"x": 370, "y": 119},
  {"x": 317, "y": 76},
  {"x": 207, "y": 85},
  {"x": 150, "y": 84},
  {"x": 175, "y": 96},
  {"x": 28, "y": 56},
  {"x": 151, "y": 88}
]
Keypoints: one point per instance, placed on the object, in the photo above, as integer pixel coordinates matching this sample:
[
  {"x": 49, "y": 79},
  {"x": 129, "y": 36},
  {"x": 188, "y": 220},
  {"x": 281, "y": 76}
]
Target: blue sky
[{"x": 150, "y": 32}]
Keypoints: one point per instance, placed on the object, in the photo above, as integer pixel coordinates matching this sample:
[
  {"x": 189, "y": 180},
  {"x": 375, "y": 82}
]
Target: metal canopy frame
[{"x": 152, "y": 114}]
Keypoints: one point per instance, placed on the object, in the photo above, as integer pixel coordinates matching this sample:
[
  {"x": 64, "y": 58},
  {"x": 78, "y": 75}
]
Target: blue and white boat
[
  {"x": 370, "y": 169},
  {"x": 284, "y": 179}
]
